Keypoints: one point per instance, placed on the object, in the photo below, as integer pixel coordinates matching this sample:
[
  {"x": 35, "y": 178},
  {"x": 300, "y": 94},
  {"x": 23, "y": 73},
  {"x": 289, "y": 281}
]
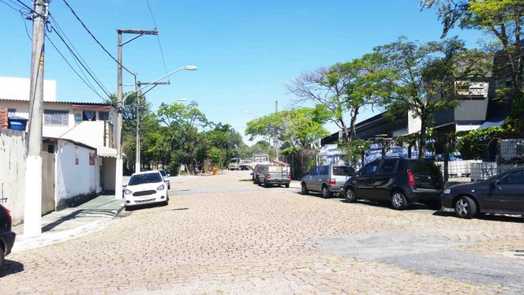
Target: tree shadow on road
[
  {"x": 11, "y": 267},
  {"x": 486, "y": 217}
]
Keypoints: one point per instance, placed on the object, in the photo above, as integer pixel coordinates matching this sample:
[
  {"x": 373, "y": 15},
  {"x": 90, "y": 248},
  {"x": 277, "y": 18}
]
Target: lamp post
[{"x": 140, "y": 92}]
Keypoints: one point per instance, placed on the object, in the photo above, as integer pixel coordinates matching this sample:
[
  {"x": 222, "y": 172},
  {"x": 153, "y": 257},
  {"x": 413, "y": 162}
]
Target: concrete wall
[
  {"x": 18, "y": 88},
  {"x": 75, "y": 175},
  {"x": 12, "y": 172},
  {"x": 108, "y": 174}
]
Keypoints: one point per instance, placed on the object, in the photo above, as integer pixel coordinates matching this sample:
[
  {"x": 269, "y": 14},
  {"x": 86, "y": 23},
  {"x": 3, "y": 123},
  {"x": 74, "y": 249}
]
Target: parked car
[
  {"x": 146, "y": 188},
  {"x": 501, "y": 194},
  {"x": 7, "y": 237},
  {"x": 326, "y": 179},
  {"x": 234, "y": 164},
  {"x": 270, "y": 175},
  {"x": 400, "y": 182},
  {"x": 166, "y": 176}
]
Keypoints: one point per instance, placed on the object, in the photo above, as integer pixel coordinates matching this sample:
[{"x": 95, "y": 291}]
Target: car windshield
[
  {"x": 342, "y": 170},
  {"x": 145, "y": 178}
]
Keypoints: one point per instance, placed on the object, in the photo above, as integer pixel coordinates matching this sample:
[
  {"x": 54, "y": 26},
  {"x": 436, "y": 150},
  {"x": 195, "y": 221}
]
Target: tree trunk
[{"x": 422, "y": 138}]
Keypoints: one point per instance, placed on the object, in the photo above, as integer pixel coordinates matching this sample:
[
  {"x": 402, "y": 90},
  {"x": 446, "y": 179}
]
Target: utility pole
[
  {"x": 120, "y": 103},
  {"x": 276, "y": 139},
  {"x": 139, "y": 96},
  {"x": 33, "y": 172}
]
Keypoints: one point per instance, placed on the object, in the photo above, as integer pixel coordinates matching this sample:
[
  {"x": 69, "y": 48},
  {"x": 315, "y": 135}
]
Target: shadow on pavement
[
  {"x": 246, "y": 180},
  {"x": 81, "y": 213},
  {"x": 412, "y": 207},
  {"x": 11, "y": 267},
  {"x": 490, "y": 217},
  {"x": 180, "y": 209},
  {"x": 145, "y": 206}
]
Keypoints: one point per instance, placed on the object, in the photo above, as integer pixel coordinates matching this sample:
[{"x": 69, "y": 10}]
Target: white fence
[{"x": 12, "y": 172}]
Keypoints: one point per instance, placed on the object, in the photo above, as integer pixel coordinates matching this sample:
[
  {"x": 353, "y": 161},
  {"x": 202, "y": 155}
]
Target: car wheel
[
  {"x": 399, "y": 201},
  {"x": 325, "y": 192},
  {"x": 304, "y": 189},
  {"x": 266, "y": 184},
  {"x": 465, "y": 207},
  {"x": 350, "y": 195},
  {"x": 287, "y": 185}
]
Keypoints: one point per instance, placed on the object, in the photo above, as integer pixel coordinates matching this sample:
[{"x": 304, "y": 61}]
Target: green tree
[
  {"x": 345, "y": 88},
  {"x": 424, "y": 79},
  {"x": 504, "y": 20}
]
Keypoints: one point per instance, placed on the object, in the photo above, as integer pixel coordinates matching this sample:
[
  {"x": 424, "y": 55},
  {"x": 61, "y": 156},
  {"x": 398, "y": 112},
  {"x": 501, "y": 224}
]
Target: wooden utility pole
[{"x": 33, "y": 173}]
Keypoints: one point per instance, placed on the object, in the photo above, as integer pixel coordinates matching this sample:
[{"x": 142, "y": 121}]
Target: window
[
  {"x": 388, "y": 166},
  {"x": 103, "y": 116},
  {"x": 323, "y": 170},
  {"x": 78, "y": 117},
  {"x": 514, "y": 178},
  {"x": 369, "y": 169},
  {"x": 56, "y": 118},
  {"x": 343, "y": 171},
  {"x": 11, "y": 113},
  {"x": 145, "y": 178},
  {"x": 89, "y": 116}
]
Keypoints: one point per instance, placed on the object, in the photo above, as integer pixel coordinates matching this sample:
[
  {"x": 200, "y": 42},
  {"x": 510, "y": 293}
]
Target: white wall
[
  {"x": 87, "y": 132},
  {"x": 12, "y": 172},
  {"x": 18, "y": 88},
  {"x": 75, "y": 178}
]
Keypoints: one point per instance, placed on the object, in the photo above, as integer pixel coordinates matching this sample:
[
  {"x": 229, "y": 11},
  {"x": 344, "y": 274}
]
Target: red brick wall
[{"x": 3, "y": 118}]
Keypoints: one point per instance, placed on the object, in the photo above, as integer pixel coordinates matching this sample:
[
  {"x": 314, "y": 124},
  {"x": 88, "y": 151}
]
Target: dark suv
[
  {"x": 7, "y": 237},
  {"x": 501, "y": 194},
  {"x": 397, "y": 181}
]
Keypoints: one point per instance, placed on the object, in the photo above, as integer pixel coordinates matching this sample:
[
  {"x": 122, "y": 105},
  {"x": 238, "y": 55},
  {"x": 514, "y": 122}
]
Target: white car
[{"x": 146, "y": 188}]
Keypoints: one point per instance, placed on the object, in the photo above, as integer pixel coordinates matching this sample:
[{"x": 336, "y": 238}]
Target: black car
[
  {"x": 397, "y": 181},
  {"x": 501, "y": 194},
  {"x": 7, "y": 237}
]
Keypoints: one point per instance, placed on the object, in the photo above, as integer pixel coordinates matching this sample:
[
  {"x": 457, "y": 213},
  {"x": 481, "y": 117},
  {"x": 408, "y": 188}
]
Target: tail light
[
  {"x": 411, "y": 179},
  {"x": 268, "y": 176},
  {"x": 332, "y": 181},
  {"x": 289, "y": 176}
]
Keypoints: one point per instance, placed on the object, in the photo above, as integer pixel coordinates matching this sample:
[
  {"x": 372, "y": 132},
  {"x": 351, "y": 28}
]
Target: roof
[
  {"x": 378, "y": 124},
  {"x": 63, "y": 102},
  {"x": 69, "y": 140}
]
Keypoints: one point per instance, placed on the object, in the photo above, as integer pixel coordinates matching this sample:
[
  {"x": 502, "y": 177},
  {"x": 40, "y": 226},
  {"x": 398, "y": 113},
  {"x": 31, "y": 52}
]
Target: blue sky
[{"x": 246, "y": 51}]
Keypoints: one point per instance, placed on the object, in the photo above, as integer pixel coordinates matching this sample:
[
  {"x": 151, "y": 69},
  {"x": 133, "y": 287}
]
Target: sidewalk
[{"x": 71, "y": 223}]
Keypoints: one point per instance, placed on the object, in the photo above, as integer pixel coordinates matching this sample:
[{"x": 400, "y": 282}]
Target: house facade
[{"x": 78, "y": 150}]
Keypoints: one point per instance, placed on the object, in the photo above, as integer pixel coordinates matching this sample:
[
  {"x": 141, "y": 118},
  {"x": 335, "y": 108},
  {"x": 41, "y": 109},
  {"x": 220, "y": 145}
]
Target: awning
[{"x": 106, "y": 152}]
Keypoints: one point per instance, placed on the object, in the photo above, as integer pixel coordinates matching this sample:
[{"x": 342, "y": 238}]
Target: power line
[
  {"x": 94, "y": 37},
  {"x": 160, "y": 47},
  {"x": 25, "y": 5},
  {"x": 89, "y": 85},
  {"x": 10, "y": 5},
  {"x": 78, "y": 59}
]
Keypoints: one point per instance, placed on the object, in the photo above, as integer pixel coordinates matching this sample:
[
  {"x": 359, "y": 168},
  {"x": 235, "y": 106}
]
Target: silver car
[{"x": 326, "y": 179}]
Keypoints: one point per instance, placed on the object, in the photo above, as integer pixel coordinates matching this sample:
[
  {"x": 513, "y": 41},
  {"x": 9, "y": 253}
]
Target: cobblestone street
[{"x": 224, "y": 235}]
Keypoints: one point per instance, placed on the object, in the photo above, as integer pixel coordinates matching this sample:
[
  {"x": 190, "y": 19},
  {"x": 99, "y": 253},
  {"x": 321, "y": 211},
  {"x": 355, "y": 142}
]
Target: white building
[{"x": 78, "y": 147}]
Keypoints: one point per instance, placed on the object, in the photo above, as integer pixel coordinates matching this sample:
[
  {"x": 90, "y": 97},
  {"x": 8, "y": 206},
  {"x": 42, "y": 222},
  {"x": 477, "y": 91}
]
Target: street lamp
[{"x": 139, "y": 94}]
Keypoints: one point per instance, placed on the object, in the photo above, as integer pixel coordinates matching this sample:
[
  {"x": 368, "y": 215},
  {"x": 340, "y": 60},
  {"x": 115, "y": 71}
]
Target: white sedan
[{"x": 146, "y": 188}]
